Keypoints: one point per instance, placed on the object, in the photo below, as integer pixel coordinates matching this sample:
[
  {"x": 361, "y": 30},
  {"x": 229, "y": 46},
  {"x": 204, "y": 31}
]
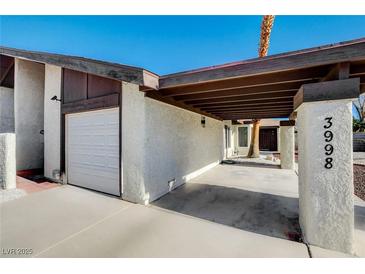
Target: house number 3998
[{"x": 328, "y": 137}]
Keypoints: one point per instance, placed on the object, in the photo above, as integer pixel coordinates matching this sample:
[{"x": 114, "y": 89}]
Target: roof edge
[{"x": 110, "y": 70}]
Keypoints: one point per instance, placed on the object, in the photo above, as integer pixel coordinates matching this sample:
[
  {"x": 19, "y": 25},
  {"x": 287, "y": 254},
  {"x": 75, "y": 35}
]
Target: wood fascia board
[
  {"x": 109, "y": 70},
  {"x": 326, "y": 55}
]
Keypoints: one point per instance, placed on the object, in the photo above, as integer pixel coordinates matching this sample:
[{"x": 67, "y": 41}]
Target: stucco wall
[
  {"x": 163, "y": 143},
  {"x": 326, "y": 202},
  {"x": 29, "y": 112},
  {"x": 6, "y": 110},
  {"x": 52, "y": 124},
  {"x": 7, "y": 161},
  {"x": 133, "y": 139}
]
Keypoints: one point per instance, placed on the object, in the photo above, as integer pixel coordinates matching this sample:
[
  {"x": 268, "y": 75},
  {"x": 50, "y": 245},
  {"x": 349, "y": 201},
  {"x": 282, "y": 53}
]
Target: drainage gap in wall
[{"x": 228, "y": 162}]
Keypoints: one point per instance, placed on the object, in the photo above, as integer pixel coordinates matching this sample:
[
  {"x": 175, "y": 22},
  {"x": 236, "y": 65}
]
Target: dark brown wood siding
[
  {"x": 80, "y": 86},
  {"x": 6, "y": 71},
  {"x": 100, "y": 86},
  {"x": 85, "y": 92},
  {"x": 74, "y": 86}
]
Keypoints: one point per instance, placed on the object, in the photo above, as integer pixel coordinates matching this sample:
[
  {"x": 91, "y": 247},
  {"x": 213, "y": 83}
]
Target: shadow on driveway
[{"x": 262, "y": 213}]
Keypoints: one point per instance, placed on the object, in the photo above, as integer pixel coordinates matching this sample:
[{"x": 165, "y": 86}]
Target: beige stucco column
[
  {"x": 287, "y": 144},
  {"x": 52, "y": 122},
  {"x": 326, "y": 191},
  {"x": 7, "y": 161}
]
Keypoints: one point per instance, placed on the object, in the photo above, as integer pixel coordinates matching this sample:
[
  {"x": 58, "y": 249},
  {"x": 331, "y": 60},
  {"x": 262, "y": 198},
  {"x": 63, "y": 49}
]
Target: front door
[{"x": 268, "y": 139}]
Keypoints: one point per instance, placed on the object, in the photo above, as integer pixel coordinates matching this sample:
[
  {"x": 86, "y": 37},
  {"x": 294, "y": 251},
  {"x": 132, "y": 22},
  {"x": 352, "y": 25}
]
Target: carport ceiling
[{"x": 261, "y": 87}]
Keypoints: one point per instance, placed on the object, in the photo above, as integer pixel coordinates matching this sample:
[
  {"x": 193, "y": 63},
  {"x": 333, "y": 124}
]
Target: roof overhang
[
  {"x": 251, "y": 89},
  {"x": 119, "y": 72},
  {"x": 261, "y": 87}
]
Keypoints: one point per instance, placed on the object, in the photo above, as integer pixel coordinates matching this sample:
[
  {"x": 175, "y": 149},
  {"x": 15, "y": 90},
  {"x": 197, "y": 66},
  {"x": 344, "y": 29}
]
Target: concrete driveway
[{"x": 72, "y": 222}]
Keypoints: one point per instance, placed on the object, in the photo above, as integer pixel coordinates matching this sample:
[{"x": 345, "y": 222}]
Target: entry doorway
[{"x": 268, "y": 139}]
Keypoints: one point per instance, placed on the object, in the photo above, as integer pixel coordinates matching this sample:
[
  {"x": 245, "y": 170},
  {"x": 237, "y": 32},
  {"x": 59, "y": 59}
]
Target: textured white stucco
[
  {"x": 52, "y": 124},
  {"x": 7, "y": 161},
  {"x": 163, "y": 143},
  {"x": 133, "y": 143},
  {"x": 29, "y": 113},
  {"x": 326, "y": 195},
  {"x": 6, "y": 110},
  {"x": 287, "y": 147}
]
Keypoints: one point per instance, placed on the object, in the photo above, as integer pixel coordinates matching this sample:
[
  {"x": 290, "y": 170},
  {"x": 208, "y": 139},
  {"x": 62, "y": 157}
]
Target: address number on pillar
[{"x": 328, "y": 137}]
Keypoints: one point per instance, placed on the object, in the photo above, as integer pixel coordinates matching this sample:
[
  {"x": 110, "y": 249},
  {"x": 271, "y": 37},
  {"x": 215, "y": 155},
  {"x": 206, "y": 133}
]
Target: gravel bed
[{"x": 359, "y": 181}]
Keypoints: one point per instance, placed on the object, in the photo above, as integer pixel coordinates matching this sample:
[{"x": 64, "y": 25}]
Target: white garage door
[{"x": 92, "y": 142}]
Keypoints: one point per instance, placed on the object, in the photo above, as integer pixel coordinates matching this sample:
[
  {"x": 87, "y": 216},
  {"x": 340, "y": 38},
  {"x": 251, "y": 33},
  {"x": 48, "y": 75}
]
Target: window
[{"x": 242, "y": 136}]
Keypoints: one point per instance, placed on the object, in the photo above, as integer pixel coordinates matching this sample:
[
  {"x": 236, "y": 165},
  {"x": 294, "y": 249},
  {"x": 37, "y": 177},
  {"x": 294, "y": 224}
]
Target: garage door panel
[{"x": 93, "y": 150}]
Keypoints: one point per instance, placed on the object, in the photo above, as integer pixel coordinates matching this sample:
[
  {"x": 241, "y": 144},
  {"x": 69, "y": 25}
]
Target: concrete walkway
[{"x": 72, "y": 222}]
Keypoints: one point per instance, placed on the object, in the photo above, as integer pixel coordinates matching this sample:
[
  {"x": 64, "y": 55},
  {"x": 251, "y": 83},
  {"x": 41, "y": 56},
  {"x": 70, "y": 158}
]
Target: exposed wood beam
[
  {"x": 294, "y": 76},
  {"x": 339, "y": 71},
  {"x": 288, "y": 95},
  {"x": 251, "y": 108},
  {"x": 343, "y": 70},
  {"x": 290, "y": 105},
  {"x": 269, "y": 89},
  {"x": 6, "y": 72},
  {"x": 329, "y": 54},
  {"x": 253, "y": 112},
  {"x": 357, "y": 69},
  {"x": 325, "y": 91},
  {"x": 251, "y": 116},
  {"x": 157, "y": 96},
  {"x": 242, "y": 104}
]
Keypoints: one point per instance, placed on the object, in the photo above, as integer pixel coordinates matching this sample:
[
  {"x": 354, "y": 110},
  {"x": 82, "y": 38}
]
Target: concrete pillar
[
  {"x": 326, "y": 191},
  {"x": 287, "y": 144},
  {"x": 52, "y": 124},
  {"x": 7, "y": 161}
]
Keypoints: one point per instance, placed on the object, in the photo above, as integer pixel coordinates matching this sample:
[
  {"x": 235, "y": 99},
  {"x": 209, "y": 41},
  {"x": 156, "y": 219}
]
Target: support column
[
  {"x": 326, "y": 190},
  {"x": 287, "y": 144},
  {"x": 52, "y": 124},
  {"x": 7, "y": 161}
]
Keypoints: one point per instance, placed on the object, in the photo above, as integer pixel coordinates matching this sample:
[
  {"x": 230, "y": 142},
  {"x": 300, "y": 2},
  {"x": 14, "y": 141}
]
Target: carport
[
  {"x": 314, "y": 88},
  {"x": 160, "y": 147}
]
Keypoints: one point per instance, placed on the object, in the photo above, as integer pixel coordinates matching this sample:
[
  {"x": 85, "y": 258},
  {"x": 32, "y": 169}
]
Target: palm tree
[{"x": 266, "y": 27}]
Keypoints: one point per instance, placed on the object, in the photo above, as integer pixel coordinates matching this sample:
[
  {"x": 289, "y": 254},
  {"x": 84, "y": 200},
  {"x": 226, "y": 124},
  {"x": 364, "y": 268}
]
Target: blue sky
[{"x": 168, "y": 44}]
